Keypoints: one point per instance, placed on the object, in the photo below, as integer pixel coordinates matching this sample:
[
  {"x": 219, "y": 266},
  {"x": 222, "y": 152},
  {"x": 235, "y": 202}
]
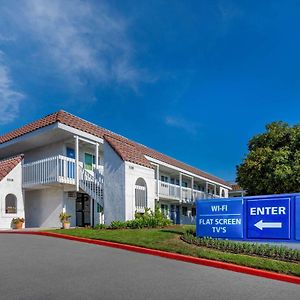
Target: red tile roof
[
  {"x": 126, "y": 149},
  {"x": 236, "y": 187},
  {"x": 7, "y": 165}
]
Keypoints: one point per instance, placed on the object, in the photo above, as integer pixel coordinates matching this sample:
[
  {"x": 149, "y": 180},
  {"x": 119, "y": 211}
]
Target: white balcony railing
[
  {"x": 169, "y": 190},
  {"x": 49, "y": 170},
  {"x": 172, "y": 191},
  {"x": 186, "y": 194},
  {"x": 92, "y": 184}
]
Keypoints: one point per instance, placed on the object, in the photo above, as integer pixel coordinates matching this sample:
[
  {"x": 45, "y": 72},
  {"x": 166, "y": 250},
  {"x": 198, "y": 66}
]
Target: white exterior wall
[
  {"x": 132, "y": 173},
  {"x": 225, "y": 191},
  {"x": 70, "y": 206},
  {"x": 42, "y": 207},
  {"x": 44, "y": 152},
  {"x": 60, "y": 148},
  {"x": 114, "y": 186},
  {"x": 11, "y": 184},
  {"x": 90, "y": 149}
]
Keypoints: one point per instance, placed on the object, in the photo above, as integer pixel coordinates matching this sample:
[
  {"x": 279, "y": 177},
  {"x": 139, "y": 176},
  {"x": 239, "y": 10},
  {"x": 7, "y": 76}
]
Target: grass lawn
[{"x": 168, "y": 239}]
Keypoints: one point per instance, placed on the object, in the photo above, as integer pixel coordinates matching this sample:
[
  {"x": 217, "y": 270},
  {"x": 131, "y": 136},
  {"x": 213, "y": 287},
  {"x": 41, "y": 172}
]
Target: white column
[
  {"x": 215, "y": 189},
  {"x": 192, "y": 181},
  {"x": 77, "y": 162},
  {"x": 180, "y": 183},
  {"x": 157, "y": 182},
  {"x": 97, "y": 156},
  {"x": 206, "y": 187}
]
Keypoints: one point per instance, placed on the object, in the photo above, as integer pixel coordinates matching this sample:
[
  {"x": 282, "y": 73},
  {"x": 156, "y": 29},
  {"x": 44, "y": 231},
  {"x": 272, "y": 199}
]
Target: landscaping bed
[
  {"x": 169, "y": 239},
  {"x": 281, "y": 253}
]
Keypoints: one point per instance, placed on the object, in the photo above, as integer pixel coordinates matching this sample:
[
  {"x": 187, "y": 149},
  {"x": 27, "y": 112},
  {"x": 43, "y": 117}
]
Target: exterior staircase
[
  {"x": 62, "y": 169},
  {"x": 92, "y": 184}
]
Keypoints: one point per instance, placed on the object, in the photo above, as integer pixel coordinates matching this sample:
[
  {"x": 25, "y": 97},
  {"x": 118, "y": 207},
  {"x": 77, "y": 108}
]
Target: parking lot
[{"x": 37, "y": 267}]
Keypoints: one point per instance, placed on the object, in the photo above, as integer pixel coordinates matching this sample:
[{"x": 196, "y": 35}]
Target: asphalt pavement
[{"x": 39, "y": 267}]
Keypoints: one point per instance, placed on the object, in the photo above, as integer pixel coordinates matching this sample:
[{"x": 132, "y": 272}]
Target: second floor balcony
[
  {"x": 184, "y": 194},
  {"x": 55, "y": 170}
]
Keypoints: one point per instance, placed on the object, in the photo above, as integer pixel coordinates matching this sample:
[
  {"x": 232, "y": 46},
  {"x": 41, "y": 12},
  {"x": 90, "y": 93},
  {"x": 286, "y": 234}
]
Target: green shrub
[
  {"x": 149, "y": 219},
  {"x": 100, "y": 226},
  {"x": 117, "y": 225},
  {"x": 265, "y": 250},
  {"x": 152, "y": 219},
  {"x": 191, "y": 231}
]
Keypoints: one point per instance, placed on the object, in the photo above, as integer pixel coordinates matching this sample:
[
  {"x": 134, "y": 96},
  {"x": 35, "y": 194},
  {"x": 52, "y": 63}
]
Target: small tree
[{"x": 272, "y": 165}]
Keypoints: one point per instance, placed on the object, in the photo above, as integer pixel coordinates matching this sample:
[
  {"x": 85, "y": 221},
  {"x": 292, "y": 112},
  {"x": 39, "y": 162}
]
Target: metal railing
[
  {"x": 49, "y": 170},
  {"x": 62, "y": 169},
  {"x": 172, "y": 191},
  {"x": 92, "y": 185}
]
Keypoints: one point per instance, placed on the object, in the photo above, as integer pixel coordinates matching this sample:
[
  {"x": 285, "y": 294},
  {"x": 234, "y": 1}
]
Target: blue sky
[{"x": 192, "y": 79}]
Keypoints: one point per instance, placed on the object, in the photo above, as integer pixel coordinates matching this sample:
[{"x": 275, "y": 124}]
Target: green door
[{"x": 88, "y": 161}]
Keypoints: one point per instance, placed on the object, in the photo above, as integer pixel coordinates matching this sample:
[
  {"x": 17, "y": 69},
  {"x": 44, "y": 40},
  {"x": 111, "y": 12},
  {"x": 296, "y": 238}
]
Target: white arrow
[{"x": 261, "y": 225}]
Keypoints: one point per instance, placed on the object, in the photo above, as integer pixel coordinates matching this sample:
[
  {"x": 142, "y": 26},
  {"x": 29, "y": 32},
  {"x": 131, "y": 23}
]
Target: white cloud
[
  {"x": 78, "y": 42},
  {"x": 82, "y": 40},
  {"x": 181, "y": 123},
  {"x": 10, "y": 99}
]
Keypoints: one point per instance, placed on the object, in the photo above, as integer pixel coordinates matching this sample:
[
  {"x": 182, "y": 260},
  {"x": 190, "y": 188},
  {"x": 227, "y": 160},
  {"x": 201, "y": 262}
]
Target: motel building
[{"x": 62, "y": 163}]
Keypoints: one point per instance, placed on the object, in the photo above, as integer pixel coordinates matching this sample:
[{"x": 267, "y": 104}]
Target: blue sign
[
  {"x": 297, "y": 215},
  {"x": 220, "y": 218},
  {"x": 268, "y": 218}
]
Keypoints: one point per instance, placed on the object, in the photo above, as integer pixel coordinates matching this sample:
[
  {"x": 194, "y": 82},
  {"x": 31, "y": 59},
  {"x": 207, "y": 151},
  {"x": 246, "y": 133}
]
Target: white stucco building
[{"x": 64, "y": 163}]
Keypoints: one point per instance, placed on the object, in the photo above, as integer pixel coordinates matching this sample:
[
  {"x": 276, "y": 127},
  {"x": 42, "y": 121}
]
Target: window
[
  {"x": 165, "y": 209},
  {"x": 184, "y": 210},
  {"x": 140, "y": 194},
  {"x": 70, "y": 152},
  {"x": 164, "y": 178},
  {"x": 184, "y": 184},
  {"x": 88, "y": 161},
  {"x": 193, "y": 211},
  {"x": 200, "y": 188},
  {"x": 11, "y": 204},
  {"x": 223, "y": 194},
  {"x": 99, "y": 208}
]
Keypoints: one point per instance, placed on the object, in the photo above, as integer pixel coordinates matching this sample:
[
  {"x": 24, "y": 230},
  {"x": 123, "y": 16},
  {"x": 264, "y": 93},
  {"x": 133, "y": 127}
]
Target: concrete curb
[{"x": 169, "y": 255}]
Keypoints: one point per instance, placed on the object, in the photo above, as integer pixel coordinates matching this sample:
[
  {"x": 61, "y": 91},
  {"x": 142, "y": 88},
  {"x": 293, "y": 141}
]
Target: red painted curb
[{"x": 170, "y": 255}]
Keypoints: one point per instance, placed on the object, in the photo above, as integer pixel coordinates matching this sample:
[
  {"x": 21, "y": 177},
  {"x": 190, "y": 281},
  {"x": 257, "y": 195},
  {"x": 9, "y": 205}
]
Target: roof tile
[
  {"x": 7, "y": 165},
  {"x": 127, "y": 149},
  {"x": 236, "y": 187}
]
